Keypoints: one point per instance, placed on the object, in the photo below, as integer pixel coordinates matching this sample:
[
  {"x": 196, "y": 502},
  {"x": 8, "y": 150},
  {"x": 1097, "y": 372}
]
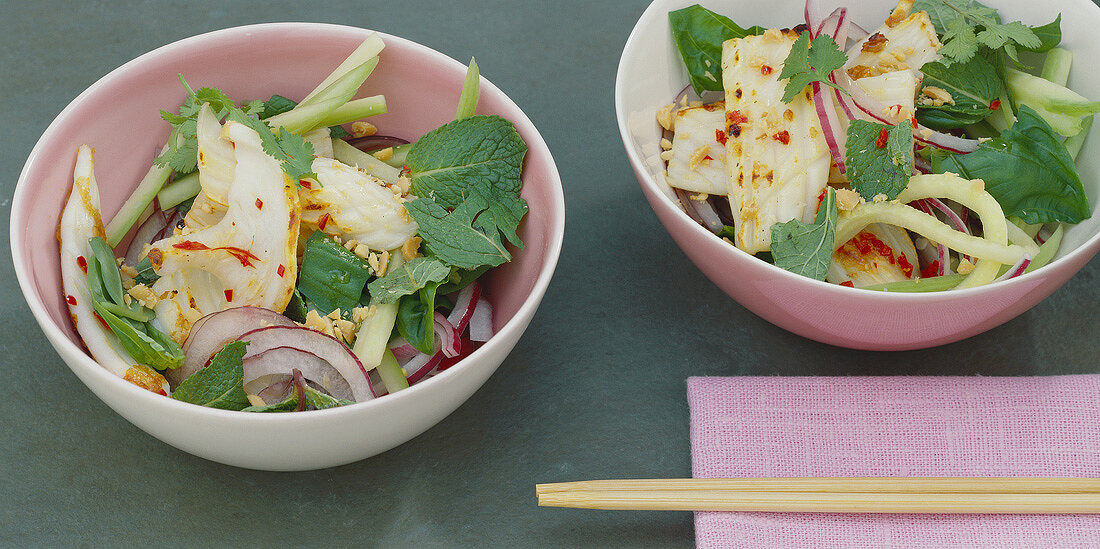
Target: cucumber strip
[
  {"x": 1056, "y": 66},
  {"x": 356, "y": 109},
  {"x": 1059, "y": 106},
  {"x": 354, "y": 157},
  {"x": 140, "y": 199},
  {"x": 932, "y": 284},
  {"x": 471, "y": 89},
  {"x": 374, "y": 334},
  {"x": 307, "y": 116},
  {"x": 1029, "y": 229},
  {"x": 370, "y": 47},
  {"x": 393, "y": 377},
  {"x": 1075, "y": 142},
  {"x": 179, "y": 190},
  {"x": 1047, "y": 250}
]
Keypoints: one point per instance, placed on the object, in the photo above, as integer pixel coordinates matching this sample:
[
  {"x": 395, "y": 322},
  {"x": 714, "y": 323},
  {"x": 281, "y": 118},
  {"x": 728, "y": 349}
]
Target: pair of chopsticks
[{"x": 832, "y": 495}]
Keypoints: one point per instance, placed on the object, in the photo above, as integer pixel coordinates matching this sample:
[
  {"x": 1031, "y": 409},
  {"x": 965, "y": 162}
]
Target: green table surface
[{"x": 594, "y": 389}]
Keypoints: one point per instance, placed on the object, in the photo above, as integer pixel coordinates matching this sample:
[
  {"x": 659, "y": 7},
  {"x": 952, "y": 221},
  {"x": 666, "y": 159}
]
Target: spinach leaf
[
  {"x": 699, "y": 34},
  {"x": 1027, "y": 169},
  {"x": 220, "y": 384},
  {"x": 807, "y": 249},
  {"x": 880, "y": 158},
  {"x": 973, "y": 86},
  {"x": 331, "y": 277},
  {"x": 416, "y": 318}
]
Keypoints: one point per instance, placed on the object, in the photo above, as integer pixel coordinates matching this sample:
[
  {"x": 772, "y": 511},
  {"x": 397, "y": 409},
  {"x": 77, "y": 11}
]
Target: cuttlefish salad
[
  {"x": 931, "y": 153},
  {"x": 283, "y": 262}
]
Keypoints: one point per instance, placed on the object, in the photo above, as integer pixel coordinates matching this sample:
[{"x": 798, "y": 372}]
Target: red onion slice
[
  {"x": 835, "y": 134},
  {"x": 420, "y": 365},
  {"x": 467, "y": 299},
  {"x": 1016, "y": 270},
  {"x": 952, "y": 217},
  {"x": 282, "y": 361},
  {"x": 210, "y": 333},
  {"x": 481, "y": 323},
  {"x": 814, "y": 15},
  {"x": 325, "y": 347},
  {"x": 941, "y": 250},
  {"x": 402, "y": 350},
  {"x": 447, "y": 336},
  {"x": 372, "y": 143},
  {"x": 693, "y": 208}
]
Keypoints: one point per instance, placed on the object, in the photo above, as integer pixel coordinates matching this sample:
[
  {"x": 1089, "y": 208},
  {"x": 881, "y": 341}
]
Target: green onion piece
[
  {"x": 400, "y": 152},
  {"x": 370, "y": 47},
  {"x": 467, "y": 101},
  {"x": 108, "y": 269},
  {"x": 393, "y": 377},
  {"x": 140, "y": 199},
  {"x": 355, "y": 109},
  {"x": 310, "y": 114},
  {"x": 179, "y": 190},
  {"x": 931, "y": 284},
  {"x": 1056, "y": 66}
]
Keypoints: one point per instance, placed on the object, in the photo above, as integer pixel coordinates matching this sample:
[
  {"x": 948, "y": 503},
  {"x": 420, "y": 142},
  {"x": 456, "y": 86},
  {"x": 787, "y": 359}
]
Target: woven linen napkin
[{"x": 895, "y": 426}]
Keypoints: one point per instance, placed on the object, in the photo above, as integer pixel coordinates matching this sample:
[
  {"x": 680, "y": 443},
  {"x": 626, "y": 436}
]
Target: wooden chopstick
[{"x": 854, "y": 495}]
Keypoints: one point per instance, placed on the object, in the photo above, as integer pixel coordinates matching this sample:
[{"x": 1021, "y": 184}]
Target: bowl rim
[
  {"x": 536, "y": 145},
  {"x": 647, "y": 182}
]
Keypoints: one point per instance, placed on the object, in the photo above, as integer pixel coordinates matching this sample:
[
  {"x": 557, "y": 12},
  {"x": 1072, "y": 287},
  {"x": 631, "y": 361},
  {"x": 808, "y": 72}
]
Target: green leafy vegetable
[
  {"x": 416, "y": 318},
  {"x": 460, "y": 278},
  {"x": 331, "y": 277},
  {"x": 699, "y": 35},
  {"x": 1027, "y": 169},
  {"x": 807, "y": 249},
  {"x": 146, "y": 275},
  {"x": 466, "y": 175},
  {"x": 966, "y": 25},
  {"x": 880, "y": 158},
  {"x": 1050, "y": 35},
  {"x": 314, "y": 399},
  {"x": 407, "y": 278},
  {"x": 810, "y": 62},
  {"x": 973, "y": 86},
  {"x": 220, "y": 384}
]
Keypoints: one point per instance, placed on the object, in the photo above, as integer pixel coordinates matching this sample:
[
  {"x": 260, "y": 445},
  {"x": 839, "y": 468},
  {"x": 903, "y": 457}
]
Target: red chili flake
[
  {"x": 906, "y": 267},
  {"x": 765, "y": 70},
  {"x": 720, "y": 136},
  {"x": 190, "y": 245},
  {"x": 71, "y": 300},
  {"x": 996, "y": 104},
  {"x": 848, "y": 283},
  {"x": 883, "y": 136},
  {"x": 783, "y": 137},
  {"x": 305, "y": 183},
  {"x": 405, "y": 171},
  {"x": 229, "y": 295},
  {"x": 83, "y": 264},
  {"x": 735, "y": 117},
  {"x": 244, "y": 256},
  {"x": 913, "y": 122},
  {"x": 324, "y": 221},
  {"x": 933, "y": 269},
  {"x": 707, "y": 157},
  {"x": 101, "y": 321},
  {"x": 281, "y": 270},
  {"x": 259, "y": 204}
]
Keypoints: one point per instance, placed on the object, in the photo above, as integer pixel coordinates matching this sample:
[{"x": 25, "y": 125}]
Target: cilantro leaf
[
  {"x": 810, "y": 62},
  {"x": 699, "y": 35},
  {"x": 407, "y": 279},
  {"x": 290, "y": 149},
  {"x": 220, "y": 384},
  {"x": 880, "y": 158},
  {"x": 807, "y": 249},
  {"x": 966, "y": 24}
]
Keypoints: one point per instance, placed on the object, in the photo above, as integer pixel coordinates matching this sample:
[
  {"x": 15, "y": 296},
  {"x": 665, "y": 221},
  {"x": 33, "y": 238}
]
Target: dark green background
[{"x": 595, "y": 389}]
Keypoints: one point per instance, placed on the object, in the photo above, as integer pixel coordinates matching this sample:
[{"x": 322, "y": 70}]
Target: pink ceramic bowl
[
  {"x": 119, "y": 117},
  {"x": 651, "y": 73}
]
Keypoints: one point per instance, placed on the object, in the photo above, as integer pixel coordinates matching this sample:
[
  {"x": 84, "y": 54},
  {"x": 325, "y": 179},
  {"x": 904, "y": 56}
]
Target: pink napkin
[{"x": 895, "y": 426}]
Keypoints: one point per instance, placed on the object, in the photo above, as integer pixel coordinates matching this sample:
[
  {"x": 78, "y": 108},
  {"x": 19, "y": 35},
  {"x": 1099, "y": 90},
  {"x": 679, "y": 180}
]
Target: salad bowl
[
  {"x": 651, "y": 74},
  {"x": 119, "y": 116}
]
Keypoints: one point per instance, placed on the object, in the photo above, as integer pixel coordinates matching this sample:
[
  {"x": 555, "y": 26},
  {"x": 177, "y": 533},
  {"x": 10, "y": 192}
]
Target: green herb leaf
[
  {"x": 460, "y": 278},
  {"x": 964, "y": 25},
  {"x": 290, "y": 149},
  {"x": 973, "y": 86},
  {"x": 416, "y": 318},
  {"x": 146, "y": 275},
  {"x": 1027, "y": 169},
  {"x": 877, "y": 165},
  {"x": 314, "y": 399},
  {"x": 220, "y": 384},
  {"x": 810, "y": 62},
  {"x": 807, "y": 249},
  {"x": 463, "y": 238},
  {"x": 699, "y": 34},
  {"x": 407, "y": 279},
  {"x": 1050, "y": 35},
  {"x": 331, "y": 277}
]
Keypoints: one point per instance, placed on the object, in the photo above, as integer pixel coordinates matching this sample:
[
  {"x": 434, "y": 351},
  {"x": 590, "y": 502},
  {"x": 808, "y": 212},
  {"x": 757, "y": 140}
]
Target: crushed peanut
[
  {"x": 699, "y": 156},
  {"x": 666, "y": 156},
  {"x": 404, "y": 183},
  {"x": 666, "y": 144},
  {"x": 847, "y": 199},
  {"x": 665, "y": 118},
  {"x": 361, "y": 314},
  {"x": 384, "y": 154},
  {"x": 931, "y": 95},
  {"x": 410, "y": 247},
  {"x": 255, "y": 400},
  {"x": 317, "y": 323},
  {"x": 965, "y": 267},
  {"x": 144, "y": 295},
  {"x": 362, "y": 128},
  {"x": 701, "y": 197},
  {"x": 361, "y": 250},
  {"x": 351, "y": 244},
  {"x": 345, "y": 329}
]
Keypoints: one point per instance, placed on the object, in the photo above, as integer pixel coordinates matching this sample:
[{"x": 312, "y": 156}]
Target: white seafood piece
[
  {"x": 906, "y": 41},
  {"x": 699, "y": 150},
  {"x": 80, "y": 221},
  {"x": 896, "y": 91},
  {"x": 246, "y": 258},
  {"x": 356, "y": 206}
]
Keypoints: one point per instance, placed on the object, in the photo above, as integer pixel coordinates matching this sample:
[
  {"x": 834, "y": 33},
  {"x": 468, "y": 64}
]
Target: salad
[
  {"x": 934, "y": 152},
  {"x": 286, "y": 256}
]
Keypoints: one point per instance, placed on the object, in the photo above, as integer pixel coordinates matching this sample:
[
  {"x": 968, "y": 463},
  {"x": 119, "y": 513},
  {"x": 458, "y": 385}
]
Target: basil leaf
[
  {"x": 807, "y": 249},
  {"x": 220, "y": 384},
  {"x": 416, "y": 319},
  {"x": 699, "y": 34},
  {"x": 331, "y": 277},
  {"x": 973, "y": 86},
  {"x": 1027, "y": 169},
  {"x": 408, "y": 278}
]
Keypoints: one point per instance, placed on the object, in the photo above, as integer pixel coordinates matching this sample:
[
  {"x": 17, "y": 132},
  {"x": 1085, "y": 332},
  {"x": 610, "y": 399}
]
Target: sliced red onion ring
[
  {"x": 467, "y": 299},
  {"x": 420, "y": 365},
  {"x": 282, "y": 361},
  {"x": 210, "y": 333},
  {"x": 952, "y": 217},
  {"x": 277, "y": 390},
  {"x": 713, "y": 223},
  {"x": 447, "y": 336},
  {"x": 145, "y": 234},
  {"x": 941, "y": 250},
  {"x": 857, "y": 33},
  {"x": 814, "y": 15},
  {"x": 402, "y": 350},
  {"x": 325, "y": 347},
  {"x": 830, "y": 124},
  {"x": 1016, "y": 270},
  {"x": 481, "y": 323},
  {"x": 372, "y": 143}
]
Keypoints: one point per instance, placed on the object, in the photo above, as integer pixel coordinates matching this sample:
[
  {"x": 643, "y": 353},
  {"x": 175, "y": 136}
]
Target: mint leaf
[
  {"x": 220, "y": 384},
  {"x": 973, "y": 86},
  {"x": 941, "y": 14},
  {"x": 1049, "y": 35},
  {"x": 314, "y": 399},
  {"x": 880, "y": 158},
  {"x": 807, "y": 249},
  {"x": 699, "y": 34},
  {"x": 810, "y": 62},
  {"x": 407, "y": 279},
  {"x": 459, "y": 238},
  {"x": 1027, "y": 169}
]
